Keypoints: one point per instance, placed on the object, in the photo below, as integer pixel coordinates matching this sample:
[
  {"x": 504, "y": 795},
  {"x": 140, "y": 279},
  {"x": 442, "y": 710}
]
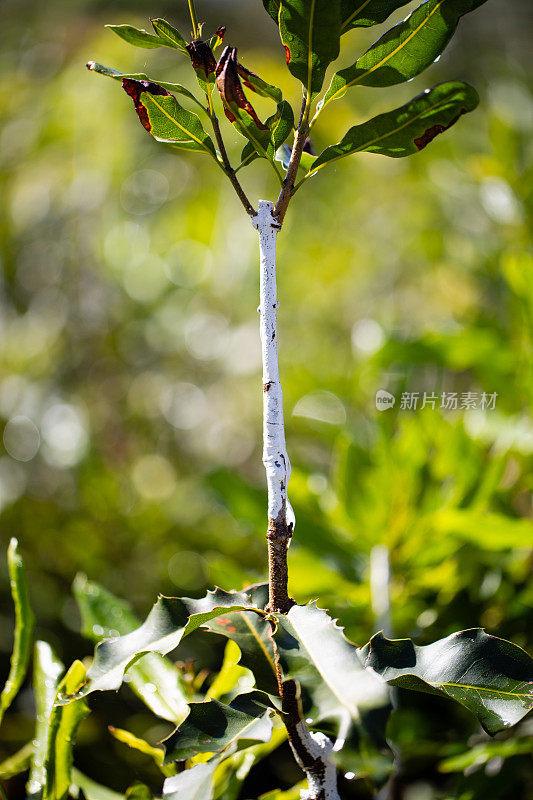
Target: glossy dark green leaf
[
  {"x": 253, "y": 635},
  {"x": 169, "y": 621},
  {"x": 313, "y": 650},
  {"x": 365, "y": 13},
  {"x": 195, "y": 783},
  {"x": 47, "y": 669},
  {"x": 406, "y": 50},
  {"x": 109, "y": 72},
  {"x": 272, "y": 7},
  {"x": 154, "y": 678},
  {"x": 62, "y": 727},
  {"x": 407, "y": 129},
  {"x": 24, "y": 623},
  {"x": 491, "y": 677},
  {"x": 280, "y": 126},
  {"x": 162, "y": 116},
  {"x": 310, "y": 34},
  {"x": 169, "y": 34},
  {"x": 212, "y": 727},
  {"x": 137, "y": 37}
]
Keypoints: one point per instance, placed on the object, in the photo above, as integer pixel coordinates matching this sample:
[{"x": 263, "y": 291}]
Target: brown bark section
[{"x": 278, "y": 540}]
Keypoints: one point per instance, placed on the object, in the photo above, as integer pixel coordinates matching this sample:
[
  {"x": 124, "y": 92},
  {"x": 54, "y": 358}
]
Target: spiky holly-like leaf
[
  {"x": 313, "y": 650},
  {"x": 491, "y": 677},
  {"x": 253, "y": 635},
  {"x": 154, "y": 678},
  {"x": 407, "y": 129},
  {"x": 169, "y": 621},
  {"x": 212, "y": 727}
]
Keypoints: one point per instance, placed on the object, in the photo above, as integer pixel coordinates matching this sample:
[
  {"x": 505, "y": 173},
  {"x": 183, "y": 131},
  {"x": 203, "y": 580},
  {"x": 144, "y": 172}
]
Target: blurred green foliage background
[{"x": 130, "y": 398}]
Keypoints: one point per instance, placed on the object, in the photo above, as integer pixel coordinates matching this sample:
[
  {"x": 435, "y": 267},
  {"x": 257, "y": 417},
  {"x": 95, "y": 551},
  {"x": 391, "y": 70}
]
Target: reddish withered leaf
[
  {"x": 135, "y": 89},
  {"x": 429, "y": 135},
  {"x": 230, "y": 87},
  {"x": 202, "y": 57}
]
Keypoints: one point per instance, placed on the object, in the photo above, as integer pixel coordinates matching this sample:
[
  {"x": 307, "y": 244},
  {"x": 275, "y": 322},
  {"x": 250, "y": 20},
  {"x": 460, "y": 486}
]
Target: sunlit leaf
[
  {"x": 253, "y": 634},
  {"x": 138, "y": 791},
  {"x": 272, "y": 7},
  {"x": 154, "y": 678},
  {"x": 280, "y": 126},
  {"x": 195, "y": 783},
  {"x": 364, "y": 13},
  {"x": 169, "y": 621},
  {"x": 310, "y": 34},
  {"x": 24, "y": 622},
  {"x": 142, "y": 746},
  {"x": 46, "y": 672},
  {"x": 491, "y": 677},
  {"x": 313, "y": 650},
  {"x": 63, "y": 725},
  {"x": 109, "y": 72},
  {"x": 137, "y": 37},
  {"x": 161, "y": 115},
  {"x": 17, "y": 763},
  {"x": 406, "y": 50},
  {"x": 212, "y": 727},
  {"x": 480, "y": 754},
  {"x": 169, "y": 34},
  {"x": 407, "y": 129}
]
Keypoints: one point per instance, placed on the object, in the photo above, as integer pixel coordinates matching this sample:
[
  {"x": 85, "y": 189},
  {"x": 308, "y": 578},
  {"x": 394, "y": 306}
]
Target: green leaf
[
  {"x": 93, "y": 790},
  {"x": 63, "y": 725},
  {"x": 365, "y": 13},
  {"x": 253, "y": 634},
  {"x": 313, "y": 650},
  {"x": 406, "y": 50},
  {"x": 161, "y": 115},
  {"x": 46, "y": 672},
  {"x": 154, "y": 678},
  {"x": 138, "y": 791},
  {"x": 137, "y": 37},
  {"x": 195, "y": 783},
  {"x": 280, "y": 126},
  {"x": 272, "y": 7},
  {"x": 169, "y": 34},
  {"x": 479, "y": 755},
  {"x": 212, "y": 727},
  {"x": 491, "y": 677},
  {"x": 109, "y": 72},
  {"x": 407, "y": 129},
  {"x": 24, "y": 622},
  {"x": 310, "y": 34},
  {"x": 169, "y": 621},
  {"x": 259, "y": 86},
  {"x": 17, "y": 763},
  {"x": 135, "y": 743}
]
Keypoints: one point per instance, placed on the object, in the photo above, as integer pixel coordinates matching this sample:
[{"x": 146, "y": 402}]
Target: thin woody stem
[
  {"x": 311, "y": 750},
  {"x": 275, "y": 456},
  {"x": 296, "y": 156},
  {"x": 228, "y": 169}
]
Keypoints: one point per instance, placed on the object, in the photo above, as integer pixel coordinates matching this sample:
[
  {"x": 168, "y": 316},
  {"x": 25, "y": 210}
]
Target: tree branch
[
  {"x": 296, "y": 156},
  {"x": 275, "y": 457},
  {"x": 311, "y": 750},
  {"x": 228, "y": 169}
]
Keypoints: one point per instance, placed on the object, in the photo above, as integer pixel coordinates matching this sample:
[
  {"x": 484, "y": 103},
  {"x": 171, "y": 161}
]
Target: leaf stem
[{"x": 194, "y": 19}]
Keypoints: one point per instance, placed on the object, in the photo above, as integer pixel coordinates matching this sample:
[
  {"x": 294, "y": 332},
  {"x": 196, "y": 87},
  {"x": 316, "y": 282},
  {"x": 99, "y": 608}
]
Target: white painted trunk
[{"x": 275, "y": 458}]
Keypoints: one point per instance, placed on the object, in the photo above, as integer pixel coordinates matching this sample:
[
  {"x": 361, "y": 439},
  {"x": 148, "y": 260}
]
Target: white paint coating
[
  {"x": 275, "y": 458},
  {"x": 319, "y": 747}
]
